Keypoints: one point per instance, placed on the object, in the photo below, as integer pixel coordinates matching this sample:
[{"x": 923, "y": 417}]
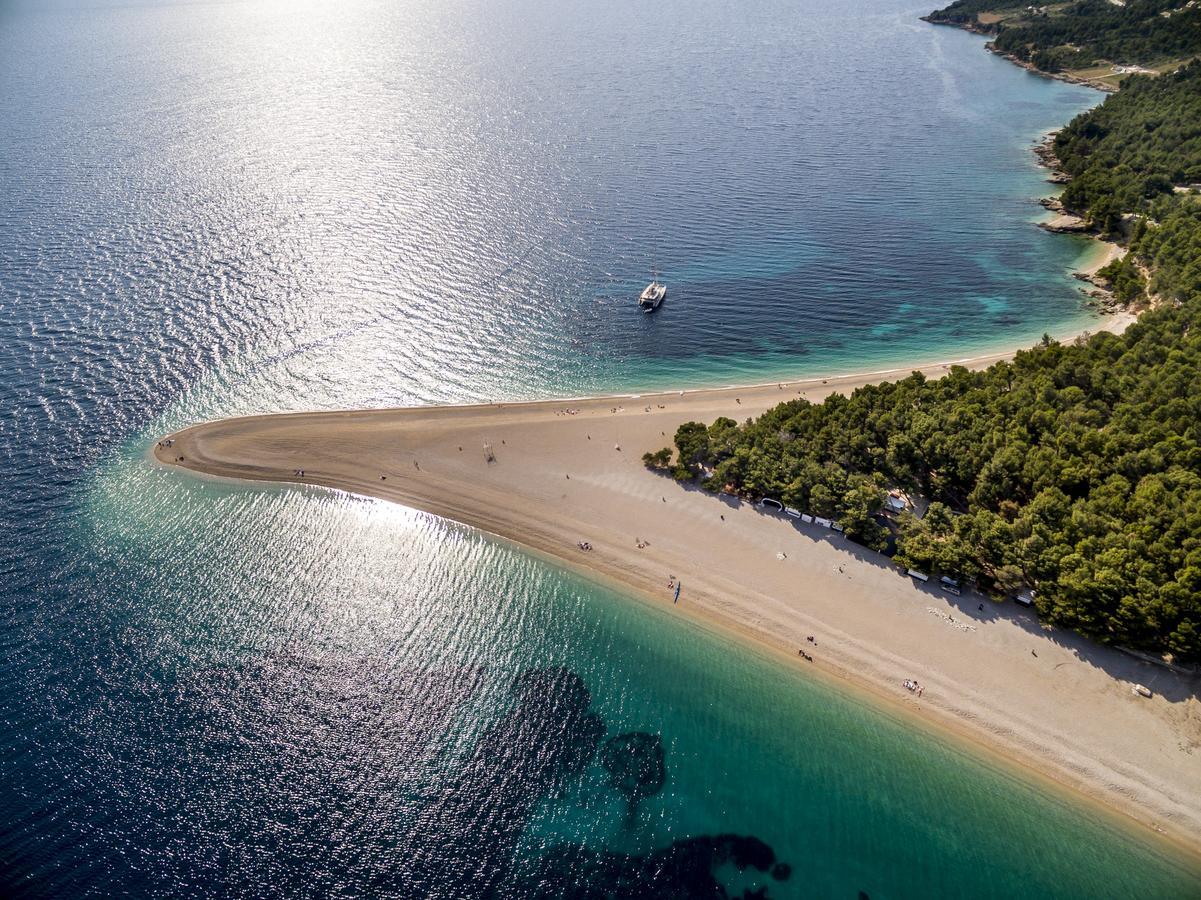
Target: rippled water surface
[{"x": 210, "y": 209}]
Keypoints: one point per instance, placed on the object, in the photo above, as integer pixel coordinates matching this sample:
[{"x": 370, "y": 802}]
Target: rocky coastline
[
  {"x": 1066, "y": 221},
  {"x": 1057, "y": 76},
  {"x": 973, "y": 27},
  {"x": 990, "y": 31}
]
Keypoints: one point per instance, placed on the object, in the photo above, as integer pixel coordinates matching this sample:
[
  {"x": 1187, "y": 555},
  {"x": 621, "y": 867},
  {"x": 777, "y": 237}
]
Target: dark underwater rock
[
  {"x": 684, "y": 869},
  {"x": 635, "y": 764}
]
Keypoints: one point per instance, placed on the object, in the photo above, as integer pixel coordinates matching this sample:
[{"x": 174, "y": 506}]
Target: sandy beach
[{"x": 550, "y": 474}]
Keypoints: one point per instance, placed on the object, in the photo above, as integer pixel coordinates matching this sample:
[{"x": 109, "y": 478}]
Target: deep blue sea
[{"x": 218, "y": 208}]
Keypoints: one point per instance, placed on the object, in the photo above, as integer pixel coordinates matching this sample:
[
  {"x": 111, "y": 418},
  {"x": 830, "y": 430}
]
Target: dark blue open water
[{"x": 219, "y": 208}]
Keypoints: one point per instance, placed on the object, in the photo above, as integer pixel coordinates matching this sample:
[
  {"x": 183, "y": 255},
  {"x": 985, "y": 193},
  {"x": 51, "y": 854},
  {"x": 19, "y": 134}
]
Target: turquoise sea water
[{"x": 215, "y": 209}]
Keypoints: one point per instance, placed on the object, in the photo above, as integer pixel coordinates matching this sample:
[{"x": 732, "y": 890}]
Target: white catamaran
[{"x": 652, "y": 295}]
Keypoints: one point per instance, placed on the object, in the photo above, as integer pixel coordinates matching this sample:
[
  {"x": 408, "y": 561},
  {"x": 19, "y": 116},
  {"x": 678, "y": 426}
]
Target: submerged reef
[
  {"x": 464, "y": 841},
  {"x": 635, "y": 765},
  {"x": 685, "y": 869},
  {"x": 463, "y": 832}
]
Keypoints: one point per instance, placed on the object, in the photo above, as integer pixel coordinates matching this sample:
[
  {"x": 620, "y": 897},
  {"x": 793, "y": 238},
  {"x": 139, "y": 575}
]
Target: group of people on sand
[
  {"x": 169, "y": 442},
  {"x": 641, "y": 544},
  {"x": 912, "y": 686},
  {"x": 805, "y": 656},
  {"x": 568, "y": 411},
  {"x": 583, "y": 545},
  {"x": 298, "y": 472}
]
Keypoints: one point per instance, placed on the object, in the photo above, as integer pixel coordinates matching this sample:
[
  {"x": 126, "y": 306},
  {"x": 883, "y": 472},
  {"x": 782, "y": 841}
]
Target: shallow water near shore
[
  {"x": 226, "y": 209},
  {"x": 345, "y": 696}
]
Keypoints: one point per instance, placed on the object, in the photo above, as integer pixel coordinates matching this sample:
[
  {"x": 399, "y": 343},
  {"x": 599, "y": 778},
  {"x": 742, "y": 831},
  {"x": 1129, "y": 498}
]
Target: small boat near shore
[{"x": 652, "y": 296}]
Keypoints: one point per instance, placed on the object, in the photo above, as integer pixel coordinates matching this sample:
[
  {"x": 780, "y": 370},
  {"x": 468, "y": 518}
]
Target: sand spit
[{"x": 549, "y": 475}]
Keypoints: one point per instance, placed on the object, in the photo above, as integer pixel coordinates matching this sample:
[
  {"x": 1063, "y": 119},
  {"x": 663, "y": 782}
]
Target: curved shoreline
[{"x": 560, "y": 477}]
